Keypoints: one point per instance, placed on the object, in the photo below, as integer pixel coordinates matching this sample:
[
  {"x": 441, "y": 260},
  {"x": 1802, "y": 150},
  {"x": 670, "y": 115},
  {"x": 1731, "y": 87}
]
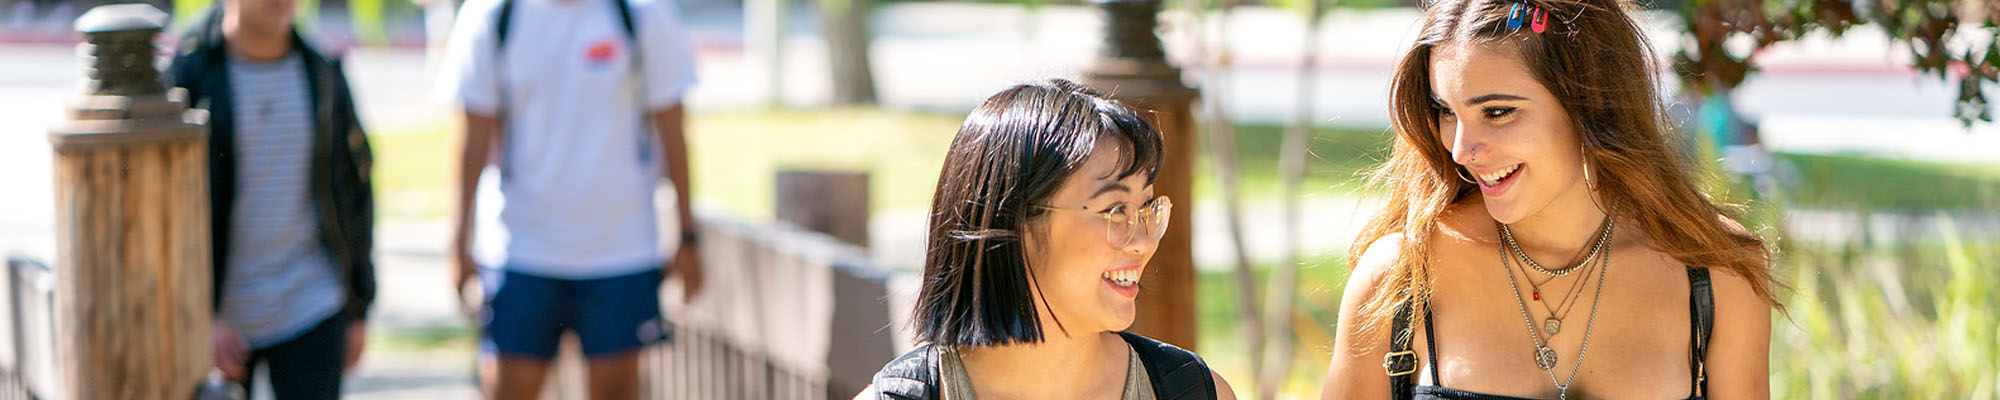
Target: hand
[
  {"x": 463, "y": 270},
  {"x": 357, "y": 339},
  {"x": 687, "y": 264},
  {"x": 232, "y": 353}
]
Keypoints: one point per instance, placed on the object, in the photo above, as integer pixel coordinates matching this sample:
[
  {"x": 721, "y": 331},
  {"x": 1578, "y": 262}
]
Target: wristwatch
[{"x": 689, "y": 238}]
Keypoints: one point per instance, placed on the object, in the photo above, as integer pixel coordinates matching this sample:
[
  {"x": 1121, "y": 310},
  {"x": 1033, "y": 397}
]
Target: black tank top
[{"x": 1401, "y": 363}]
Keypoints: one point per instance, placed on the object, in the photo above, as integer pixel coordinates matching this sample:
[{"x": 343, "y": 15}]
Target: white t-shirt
[{"x": 579, "y": 163}]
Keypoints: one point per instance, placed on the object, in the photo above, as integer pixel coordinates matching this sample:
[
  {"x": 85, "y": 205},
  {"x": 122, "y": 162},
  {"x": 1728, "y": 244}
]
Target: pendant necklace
[{"x": 1545, "y": 357}]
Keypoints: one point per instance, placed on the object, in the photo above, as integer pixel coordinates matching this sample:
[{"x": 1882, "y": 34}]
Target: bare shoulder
[
  {"x": 1222, "y": 389},
  {"x": 1351, "y": 373},
  {"x": 1371, "y": 270},
  {"x": 1734, "y": 227},
  {"x": 1738, "y": 359},
  {"x": 1464, "y": 220},
  {"x": 1373, "y": 266},
  {"x": 1734, "y": 298},
  {"x": 1730, "y": 287}
]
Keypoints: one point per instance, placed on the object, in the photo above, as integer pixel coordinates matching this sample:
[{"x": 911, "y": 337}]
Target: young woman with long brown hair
[{"x": 1544, "y": 237}]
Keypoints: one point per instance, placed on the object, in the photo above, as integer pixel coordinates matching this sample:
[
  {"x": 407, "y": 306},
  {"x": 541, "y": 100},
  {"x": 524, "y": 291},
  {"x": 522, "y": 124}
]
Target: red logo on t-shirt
[{"x": 601, "y": 52}]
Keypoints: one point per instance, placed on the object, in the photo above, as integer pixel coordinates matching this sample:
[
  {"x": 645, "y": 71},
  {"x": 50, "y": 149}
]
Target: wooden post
[
  {"x": 830, "y": 202},
  {"x": 1132, "y": 68},
  {"x": 132, "y": 292},
  {"x": 836, "y": 203}
]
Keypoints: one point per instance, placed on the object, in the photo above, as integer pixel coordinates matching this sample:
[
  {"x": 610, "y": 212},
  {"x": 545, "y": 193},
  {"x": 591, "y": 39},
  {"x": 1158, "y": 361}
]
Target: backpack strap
[
  {"x": 501, "y": 25},
  {"x": 1401, "y": 362},
  {"x": 504, "y": 23},
  {"x": 912, "y": 376},
  {"x": 625, "y": 19},
  {"x": 1177, "y": 374},
  {"x": 506, "y": 20},
  {"x": 1701, "y": 310}
]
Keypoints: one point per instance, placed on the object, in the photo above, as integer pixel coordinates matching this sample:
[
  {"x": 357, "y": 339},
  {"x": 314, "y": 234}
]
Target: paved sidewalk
[{"x": 413, "y": 305}]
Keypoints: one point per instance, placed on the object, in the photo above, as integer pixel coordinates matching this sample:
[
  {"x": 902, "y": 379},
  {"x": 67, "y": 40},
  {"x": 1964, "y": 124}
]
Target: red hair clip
[{"x": 1541, "y": 20}]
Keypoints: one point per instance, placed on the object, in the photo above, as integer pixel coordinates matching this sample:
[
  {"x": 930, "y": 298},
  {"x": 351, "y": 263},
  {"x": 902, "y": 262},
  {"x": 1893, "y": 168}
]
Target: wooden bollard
[
  {"x": 132, "y": 235},
  {"x": 830, "y": 202},
  {"x": 1132, "y": 67}
]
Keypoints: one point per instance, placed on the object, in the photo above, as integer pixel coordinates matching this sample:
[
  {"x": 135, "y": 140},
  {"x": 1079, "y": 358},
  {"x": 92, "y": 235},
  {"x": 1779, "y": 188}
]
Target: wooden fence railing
[
  {"x": 785, "y": 314},
  {"x": 27, "y": 331}
]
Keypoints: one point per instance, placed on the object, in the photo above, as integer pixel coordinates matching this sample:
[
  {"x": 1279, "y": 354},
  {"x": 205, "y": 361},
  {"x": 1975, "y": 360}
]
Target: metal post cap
[{"x": 121, "y": 18}]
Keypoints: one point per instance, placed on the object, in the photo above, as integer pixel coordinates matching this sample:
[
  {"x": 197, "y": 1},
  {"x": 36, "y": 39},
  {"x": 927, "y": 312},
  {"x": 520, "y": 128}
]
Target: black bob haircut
[{"x": 1012, "y": 153}]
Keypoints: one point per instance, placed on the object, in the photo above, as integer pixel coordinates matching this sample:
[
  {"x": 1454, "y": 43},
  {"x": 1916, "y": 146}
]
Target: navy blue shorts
[{"x": 527, "y": 314}]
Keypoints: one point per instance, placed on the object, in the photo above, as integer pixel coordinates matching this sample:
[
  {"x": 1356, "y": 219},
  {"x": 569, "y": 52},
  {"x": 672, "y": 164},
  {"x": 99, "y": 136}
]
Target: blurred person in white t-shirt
[{"x": 576, "y": 104}]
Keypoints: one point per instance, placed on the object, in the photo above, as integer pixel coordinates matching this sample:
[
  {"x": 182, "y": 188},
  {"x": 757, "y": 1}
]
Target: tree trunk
[
  {"x": 1222, "y": 150},
  {"x": 764, "y": 42},
  {"x": 1292, "y": 166},
  {"x": 846, "y": 29}
]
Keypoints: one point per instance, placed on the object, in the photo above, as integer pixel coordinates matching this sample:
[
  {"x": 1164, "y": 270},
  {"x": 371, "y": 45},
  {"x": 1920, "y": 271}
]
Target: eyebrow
[
  {"x": 1493, "y": 97},
  {"x": 1481, "y": 99},
  {"x": 1111, "y": 187}
]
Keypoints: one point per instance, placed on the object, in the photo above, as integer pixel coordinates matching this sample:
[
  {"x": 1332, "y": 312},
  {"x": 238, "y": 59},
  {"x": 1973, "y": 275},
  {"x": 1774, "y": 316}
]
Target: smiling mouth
[
  {"x": 1491, "y": 179},
  {"x": 1124, "y": 277}
]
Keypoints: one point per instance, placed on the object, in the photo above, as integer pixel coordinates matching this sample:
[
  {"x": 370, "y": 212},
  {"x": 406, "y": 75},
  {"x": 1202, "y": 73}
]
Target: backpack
[{"x": 1177, "y": 374}]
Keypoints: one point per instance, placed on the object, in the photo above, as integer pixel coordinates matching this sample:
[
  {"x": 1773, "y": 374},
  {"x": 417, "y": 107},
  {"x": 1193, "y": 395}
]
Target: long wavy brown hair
[{"x": 1597, "y": 62}]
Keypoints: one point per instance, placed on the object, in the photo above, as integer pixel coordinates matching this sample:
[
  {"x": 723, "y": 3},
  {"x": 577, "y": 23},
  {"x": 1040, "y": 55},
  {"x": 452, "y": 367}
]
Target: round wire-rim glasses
[{"x": 1121, "y": 222}]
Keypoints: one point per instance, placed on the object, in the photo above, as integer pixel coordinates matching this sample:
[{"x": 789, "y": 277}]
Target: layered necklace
[
  {"x": 1603, "y": 235},
  {"x": 1553, "y": 324},
  {"x": 1546, "y": 357}
]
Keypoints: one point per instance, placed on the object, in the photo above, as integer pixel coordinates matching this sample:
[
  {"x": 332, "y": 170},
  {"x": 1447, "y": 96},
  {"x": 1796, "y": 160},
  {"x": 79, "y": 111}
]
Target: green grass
[
  {"x": 1890, "y": 320},
  {"x": 410, "y": 172},
  {"x": 1860, "y": 182},
  {"x": 1221, "y": 336},
  {"x": 1336, "y": 158},
  {"x": 424, "y": 337},
  {"x": 736, "y": 156}
]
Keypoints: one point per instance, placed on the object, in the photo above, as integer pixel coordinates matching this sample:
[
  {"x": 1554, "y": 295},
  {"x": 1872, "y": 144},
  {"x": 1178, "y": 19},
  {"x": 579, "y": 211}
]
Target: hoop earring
[
  {"x": 1586, "y": 169},
  {"x": 1586, "y": 177},
  {"x": 1463, "y": 177},
  {"x": 1587, "y": 182}
]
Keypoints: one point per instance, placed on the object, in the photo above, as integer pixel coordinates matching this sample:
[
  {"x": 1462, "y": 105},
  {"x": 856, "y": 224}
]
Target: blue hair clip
[{"x": 1514, "y": 16}]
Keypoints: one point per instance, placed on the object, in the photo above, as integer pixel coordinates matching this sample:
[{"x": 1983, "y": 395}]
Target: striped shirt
[{"x": 282, "y": 281}]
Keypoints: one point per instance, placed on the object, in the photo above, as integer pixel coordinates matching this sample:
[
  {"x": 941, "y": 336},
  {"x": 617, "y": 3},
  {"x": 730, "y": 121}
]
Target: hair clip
[
  {"x": 1514, "y": 16},
  {"x": 1541, "y": 20}
]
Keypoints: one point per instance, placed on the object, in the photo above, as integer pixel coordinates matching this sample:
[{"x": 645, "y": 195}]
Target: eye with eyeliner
[
  {"x": 1442, "y": 110},
  {"x": 1497, "y": 112}
]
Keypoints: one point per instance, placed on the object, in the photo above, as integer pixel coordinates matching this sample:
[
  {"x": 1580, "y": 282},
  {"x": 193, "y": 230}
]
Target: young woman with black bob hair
[{"x": 1041, "y": 226}]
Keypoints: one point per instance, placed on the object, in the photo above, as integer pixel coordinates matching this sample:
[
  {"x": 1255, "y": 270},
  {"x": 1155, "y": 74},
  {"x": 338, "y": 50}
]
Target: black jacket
[{"x": 340, "y": 157}]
